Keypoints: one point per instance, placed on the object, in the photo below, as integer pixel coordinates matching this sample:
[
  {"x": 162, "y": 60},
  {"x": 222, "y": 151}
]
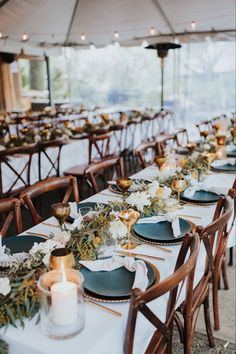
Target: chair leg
[
  {"x": 179, "y": 327},
  {"x": 208, "y": 322},
  {"x": 231, "y": 256},
  {"x": 224, "y": 275},
  {"x": 188, "y": 335},
  {"x": 215, "y": 302}
]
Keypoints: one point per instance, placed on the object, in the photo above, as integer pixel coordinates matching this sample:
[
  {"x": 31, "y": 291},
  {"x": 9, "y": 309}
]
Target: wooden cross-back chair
[
  {"x": 19, "y": 176},
  {"x": 67, "y": 183},
  {"x": 164, "y": 141},
  {"x": 213, "y": 239},
  {"x": 145, "y": 153},
  {"x": 161, "y": 341},
  {"x": 105, "y": 167},
  {"x": 10, "y": 212},
  {"x": 181, "y": 137},
  {"x": 53, "y": 162},
  {"x": 98, "y": 149},
  {"x": 204, "y": 125}
]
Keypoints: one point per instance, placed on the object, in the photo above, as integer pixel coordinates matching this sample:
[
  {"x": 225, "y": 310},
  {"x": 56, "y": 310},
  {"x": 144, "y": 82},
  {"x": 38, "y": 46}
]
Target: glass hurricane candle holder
[{"x": 61, "y": 303}]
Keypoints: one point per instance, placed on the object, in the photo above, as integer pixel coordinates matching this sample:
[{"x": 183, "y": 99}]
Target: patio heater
[{"x": 162, "y": 52}]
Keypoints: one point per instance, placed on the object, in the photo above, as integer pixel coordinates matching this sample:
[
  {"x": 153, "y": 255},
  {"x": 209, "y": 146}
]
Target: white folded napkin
[
  {"x": 229, "y": 161},
  {"x": 189, "y": 192},
  {"x": 115, "y": 262},
  {"x": 171, "y": 217},
  {"x": 78, "y": 218}
]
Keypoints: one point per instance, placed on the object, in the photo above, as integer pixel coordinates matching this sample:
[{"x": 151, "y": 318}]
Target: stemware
[
  {"x": 221, "y": 140},
  {"x": 191, "y": 147},
  {"x": 124, "y": 183},
  {"x": 204, "y": 134},
  {"x": 61, "y": 211},
  {"x": 160, "y": 160},
  {"x": 129, "y": 218},
  {"x": 178, "y": 185}
]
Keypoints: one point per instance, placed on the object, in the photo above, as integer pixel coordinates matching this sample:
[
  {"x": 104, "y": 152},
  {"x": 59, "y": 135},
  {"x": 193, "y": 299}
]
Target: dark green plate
[
  {"x": 201, "y": 197},
  {"x": 231, "y": 153},
  {"x": 116, "y": 284},
  {"x": 21, "y": 243},
  {"x": 226, "y": 167},
  {"x": 161, "y": 231},
  {"x": 115, "y": 189}
]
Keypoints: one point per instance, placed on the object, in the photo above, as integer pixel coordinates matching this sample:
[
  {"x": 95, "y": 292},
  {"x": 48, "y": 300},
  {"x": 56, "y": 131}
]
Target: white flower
[
  {"x": 5, "y": 287},
  {"x": 44, "y": 247},
  {"x": 63, "y": 237},
  {"x": 117, "y": 229},
  {"x": 166, "y": 192},
  {"x": 46, "y": 259},
  {"x": 139, "y": 199},
  {"x": 153, "y": 188},
  {"x": 195, "y": 155},
  {"x": 206, "y": 146}
]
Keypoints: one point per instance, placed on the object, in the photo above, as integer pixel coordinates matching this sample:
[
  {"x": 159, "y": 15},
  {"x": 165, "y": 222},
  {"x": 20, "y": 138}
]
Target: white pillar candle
[{"x": 64, "y": 302}]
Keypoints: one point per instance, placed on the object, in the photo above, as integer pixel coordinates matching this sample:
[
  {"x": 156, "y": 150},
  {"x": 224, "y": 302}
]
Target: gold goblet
[
  {"x": 124, "y": 183},
  {"x": 160, "y": 160},
  {"x": 178, "y": 185},
  {"x": 191, "y": 147},
  {"x": 129, "y": 218},
  {"x": 61, "y": 211},
  {"x": 61, "y": 258},
  {"x": 204, "y": 134}
]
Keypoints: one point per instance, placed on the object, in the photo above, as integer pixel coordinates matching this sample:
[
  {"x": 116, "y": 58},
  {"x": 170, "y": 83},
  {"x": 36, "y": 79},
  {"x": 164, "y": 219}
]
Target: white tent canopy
[{"x": 52, "y": 24}]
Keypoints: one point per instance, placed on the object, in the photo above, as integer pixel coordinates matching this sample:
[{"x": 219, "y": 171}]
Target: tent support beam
[
  {"x": 71, "y": 21},
  {"x": 163, "y": 14},
  {"x": 49, "y": 83}
]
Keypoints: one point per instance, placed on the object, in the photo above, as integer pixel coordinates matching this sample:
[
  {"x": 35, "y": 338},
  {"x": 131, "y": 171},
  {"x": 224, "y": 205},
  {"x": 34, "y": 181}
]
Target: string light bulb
[
  {"x": 152, "y": 31},
  {"x": 25, "y": 37},
  {"x": 116, "y": 35},
  {"x": 193, "y": 25},
  {"x": 82, "y": 37}
]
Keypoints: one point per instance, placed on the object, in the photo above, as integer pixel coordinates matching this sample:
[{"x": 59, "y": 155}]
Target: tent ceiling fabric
[{"x": 47, "y": 22}]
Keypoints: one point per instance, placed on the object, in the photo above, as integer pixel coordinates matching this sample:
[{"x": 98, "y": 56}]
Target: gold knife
[{"x": 131, "y": 254}]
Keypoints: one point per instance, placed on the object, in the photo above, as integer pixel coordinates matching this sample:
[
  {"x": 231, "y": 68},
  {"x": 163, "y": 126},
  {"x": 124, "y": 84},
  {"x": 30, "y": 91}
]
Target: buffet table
[{"x": 103, "y": 332}]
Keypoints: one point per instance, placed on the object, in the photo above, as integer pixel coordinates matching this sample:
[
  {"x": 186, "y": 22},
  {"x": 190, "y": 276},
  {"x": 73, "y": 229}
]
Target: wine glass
[
  {"x": 191, "y": 147},
  {"x": 129, "y": 218},
  {"x": 204, "y": 134},
  {"x": 178, "y": 185},
  {"x": 124, "y": 183},
  {"x": 160, "y": 160},
  {"x": 61, "y": 211}
]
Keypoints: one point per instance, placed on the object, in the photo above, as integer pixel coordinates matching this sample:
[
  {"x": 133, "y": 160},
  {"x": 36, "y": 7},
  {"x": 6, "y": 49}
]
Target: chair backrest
[
  {"x": 51, "y": 161},
  {"x": 204, "y": 125},
  {"x": 10, "y": 212},
  {"x": 107, "y": 167},
  {"x": 184, "y": 272},
  {"x": 182, "y": 137},
  {"x": 145, "y": 153},
  {"x": 12, "y": 177},
  {"x": 99, "y": 145},
  {"x": 69, "y": 183},
  {"x": 162, "y": 141},
  {"x": 215, "y": 235}
]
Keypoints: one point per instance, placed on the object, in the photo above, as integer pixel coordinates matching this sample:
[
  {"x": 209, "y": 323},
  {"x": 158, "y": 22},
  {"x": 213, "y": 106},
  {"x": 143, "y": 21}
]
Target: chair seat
[{"x": 76, "y": 171}]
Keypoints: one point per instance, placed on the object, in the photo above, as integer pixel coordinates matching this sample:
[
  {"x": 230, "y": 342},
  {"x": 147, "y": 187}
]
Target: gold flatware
[
  {"x": 36, "y": 234},
  {"x": 110, "y": 195},
  {"x": 195, "y": 205},
  {"x": 123, "y": 253},
  {"x": 108, "y": 309},
  {"x": 190, "y": 216},
  {"x": 139, "y": 243},
  {"x": 51, "y": 225}
]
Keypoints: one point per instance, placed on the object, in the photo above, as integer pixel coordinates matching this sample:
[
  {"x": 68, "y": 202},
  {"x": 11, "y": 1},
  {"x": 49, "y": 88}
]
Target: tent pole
[
  {"x": 162, "y": 84},
  {"x": 49, "y": 83}
]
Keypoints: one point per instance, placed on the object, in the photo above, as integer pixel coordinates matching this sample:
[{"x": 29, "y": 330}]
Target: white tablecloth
[{"x": 104, "y": 333}]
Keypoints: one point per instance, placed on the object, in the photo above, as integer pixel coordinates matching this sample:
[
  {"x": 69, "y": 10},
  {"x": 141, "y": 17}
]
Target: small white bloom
[
  {"x": 139, "y": 199},
  {"x": 5, "y": 287},
  {"x": 206, "y": 146},
  {"x": 153, "y": 188},
  {"x": 63, "y": 237},
  {"x": 195, "y": 155},
  {"x": 46, "y": 259},
  {"x": 166, "y": 192},
  {"x": 117, "y": 229},
  {"x": 44, "y": 247}
]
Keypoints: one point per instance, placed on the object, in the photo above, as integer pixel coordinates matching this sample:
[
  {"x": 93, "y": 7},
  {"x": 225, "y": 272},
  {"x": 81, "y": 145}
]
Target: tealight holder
[
  {"x": 221, "y": 140},
  {"x": 61, "y": 258},
  {"x": 61, "y": 303}
]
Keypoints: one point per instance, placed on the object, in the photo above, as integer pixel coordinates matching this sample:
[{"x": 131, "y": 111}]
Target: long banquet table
[{"x": 103, "y": 332}]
